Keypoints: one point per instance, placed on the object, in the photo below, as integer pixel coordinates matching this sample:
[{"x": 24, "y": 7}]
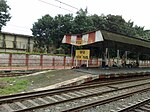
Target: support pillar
[
  {"x": 118, "y": 57},
  {"x": 104, "y": 58},
  {"x": 41, "y": 61},
  {"x": 64, "y": 62},
  {"x": 27, "y": 61},
  {"x": 10, "y": 59}
]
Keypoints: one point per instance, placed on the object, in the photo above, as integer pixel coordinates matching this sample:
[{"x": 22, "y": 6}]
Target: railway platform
[{"x": 82, "y": 75}]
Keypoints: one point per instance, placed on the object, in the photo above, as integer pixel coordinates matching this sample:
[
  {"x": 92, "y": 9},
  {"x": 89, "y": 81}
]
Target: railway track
[
  {"x": 141, "y": 105},
  {"x": 14, "y": 74},
  {"x": 73, "y": 98},
  {"x": 97, "y": 81}
]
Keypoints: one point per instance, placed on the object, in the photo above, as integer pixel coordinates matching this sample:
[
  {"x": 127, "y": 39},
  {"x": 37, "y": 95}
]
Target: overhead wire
[
  {"x": 22, "y": 27},
  {"x": 25, "y": 28},
  {"x": 56, "y": 6},
  {"x": 53, "y": 6},
  {"x": 62, "y": 7},
  {"x": 12, "y": 27},
  {"x": 19, "y": 29},
  {"x": 70, "y": 6},
  {"x": 67, "y": 4}
]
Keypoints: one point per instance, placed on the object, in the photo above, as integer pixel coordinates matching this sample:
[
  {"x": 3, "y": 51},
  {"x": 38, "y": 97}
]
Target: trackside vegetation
[{"x": 10, "y": 85}]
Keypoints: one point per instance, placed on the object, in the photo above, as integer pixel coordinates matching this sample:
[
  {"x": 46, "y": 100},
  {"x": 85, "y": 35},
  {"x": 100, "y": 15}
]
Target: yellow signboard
[
  {"x": 79, "y": 42},
  {"x": 82, "y": 54}
]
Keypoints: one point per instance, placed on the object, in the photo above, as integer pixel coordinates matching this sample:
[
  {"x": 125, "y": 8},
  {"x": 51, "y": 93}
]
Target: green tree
[
  {"x": 146, "y": 35},
  {"x": 139, "y": 31},
  {"x": 82, "y": 23},
  {"x": 4, "y": 13},
  {"x": 99, "y": 22},
  {"x": 43, "y": 33},
  {"x": 116, "y": 23},
  {"x": 63, "y": 25},
  {"x": 48, "y": 31}
]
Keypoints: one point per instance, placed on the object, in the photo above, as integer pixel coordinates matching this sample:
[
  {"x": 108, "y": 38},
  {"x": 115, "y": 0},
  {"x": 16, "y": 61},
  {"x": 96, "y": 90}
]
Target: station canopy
[{"x": 107, "y": 39}]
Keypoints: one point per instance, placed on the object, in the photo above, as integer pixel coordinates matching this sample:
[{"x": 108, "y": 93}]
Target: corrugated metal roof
[{"x": 124, "y": 39}]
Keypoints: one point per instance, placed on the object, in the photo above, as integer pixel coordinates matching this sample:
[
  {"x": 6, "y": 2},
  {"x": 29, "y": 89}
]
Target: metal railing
[{"x": 31, "y": 62}]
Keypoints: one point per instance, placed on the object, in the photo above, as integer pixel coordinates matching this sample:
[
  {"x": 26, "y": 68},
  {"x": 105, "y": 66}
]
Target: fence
[{"x": 33, "y": 62}]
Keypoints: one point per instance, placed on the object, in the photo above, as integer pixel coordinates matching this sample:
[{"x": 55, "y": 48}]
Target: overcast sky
[{"x": 25, "y": 12}]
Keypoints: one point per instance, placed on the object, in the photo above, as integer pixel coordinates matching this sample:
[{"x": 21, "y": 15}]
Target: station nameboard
[
  {"x": 82, "y": 54},
  {"x": 78, "y": 42}
]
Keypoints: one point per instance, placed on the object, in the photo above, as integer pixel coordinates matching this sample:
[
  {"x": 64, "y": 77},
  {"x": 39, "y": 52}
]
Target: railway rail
[
  {"x": 73, "y": 98},
  {"x": 14, "y": 74},
  {"x": 138, "y": 106},
  {"x": 97, "y": 81}
]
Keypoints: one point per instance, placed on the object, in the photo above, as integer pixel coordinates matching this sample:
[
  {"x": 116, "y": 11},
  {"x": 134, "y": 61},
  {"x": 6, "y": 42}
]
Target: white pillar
[
  {"x": 106, "y": 56},
  {"x": 126, "y": 56},
  {"x": 118, "y": 57},
  {"x": 87, "y": 63}
]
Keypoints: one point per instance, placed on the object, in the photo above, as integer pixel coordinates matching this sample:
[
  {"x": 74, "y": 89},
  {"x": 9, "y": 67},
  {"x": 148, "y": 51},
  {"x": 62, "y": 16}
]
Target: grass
[{"x": 13, "y": 85}]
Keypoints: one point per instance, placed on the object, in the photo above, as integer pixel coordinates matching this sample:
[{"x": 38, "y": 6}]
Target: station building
[
  {"x": 107, "y": 41},
  {"x": 11, "y": 42}
]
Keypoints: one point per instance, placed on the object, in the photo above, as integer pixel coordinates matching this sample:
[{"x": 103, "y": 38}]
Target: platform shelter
[{"x": 106, "y": 41}]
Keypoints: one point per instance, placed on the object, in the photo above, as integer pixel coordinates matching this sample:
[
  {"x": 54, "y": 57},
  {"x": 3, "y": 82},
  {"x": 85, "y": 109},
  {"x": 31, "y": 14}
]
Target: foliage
[
  {"x": 4, "y": 13},
  {"x": 42, "y": 32},
  {"x": 49, "y": 31},
  {"x": 82, "y": 23},
  {"x": 63, "y": 25},
  {"x": 146, "y": 35}
]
